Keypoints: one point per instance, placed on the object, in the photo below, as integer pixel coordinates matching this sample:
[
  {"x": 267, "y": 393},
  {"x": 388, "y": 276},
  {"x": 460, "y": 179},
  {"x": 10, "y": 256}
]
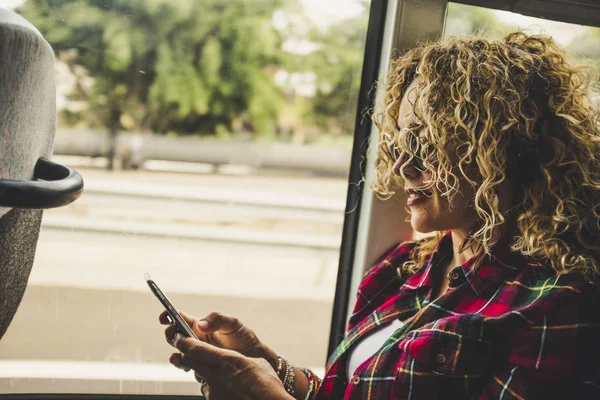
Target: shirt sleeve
[{"x": 557, "y": 358}]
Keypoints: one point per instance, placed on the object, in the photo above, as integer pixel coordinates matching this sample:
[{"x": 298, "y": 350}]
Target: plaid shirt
[{"x": 506, "y": 331}]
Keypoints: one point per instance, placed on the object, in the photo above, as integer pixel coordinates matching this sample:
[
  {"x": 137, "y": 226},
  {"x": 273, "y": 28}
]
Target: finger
[
  {"x": 193, "y": 323},
  {"x": 164, "y": 318},
  {"x": 170, "y": 332},
  {"x": 189, "y": 319},
  {"x": 199, "y": 378},
  {"x": 205, "y": 390},
  {"x": 197, "y": 353},
  {"x": 221, "y": 377},
  {"x": 203, "y": 374},
  {"x": 215, "y": 321},
  {"x": 177, "y": 361}
]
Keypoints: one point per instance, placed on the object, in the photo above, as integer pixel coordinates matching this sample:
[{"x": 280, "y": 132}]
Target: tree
[
  {"x": 338, "y": 63},
  {"x": 190, "y": 66},
  {"x": 586, "y": 46}
]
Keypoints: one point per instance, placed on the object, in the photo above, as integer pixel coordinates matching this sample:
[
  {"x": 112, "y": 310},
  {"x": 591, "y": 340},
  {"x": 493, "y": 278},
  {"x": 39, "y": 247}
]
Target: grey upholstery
[{"x": 27, "y": 128}]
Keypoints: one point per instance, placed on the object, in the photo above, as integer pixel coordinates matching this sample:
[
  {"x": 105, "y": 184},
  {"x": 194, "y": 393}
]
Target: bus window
[
  {"x": 582, "y": 42},
  {"x": 214, "y": 139}
]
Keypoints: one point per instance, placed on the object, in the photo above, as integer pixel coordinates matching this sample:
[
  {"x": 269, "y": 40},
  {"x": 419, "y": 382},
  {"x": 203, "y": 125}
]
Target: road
[{"x": 87, "y": 307}]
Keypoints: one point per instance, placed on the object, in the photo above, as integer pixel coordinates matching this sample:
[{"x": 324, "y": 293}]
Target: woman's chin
[
  {"x": 420, "y": 228},
  {"x": 422, "y": 224}
]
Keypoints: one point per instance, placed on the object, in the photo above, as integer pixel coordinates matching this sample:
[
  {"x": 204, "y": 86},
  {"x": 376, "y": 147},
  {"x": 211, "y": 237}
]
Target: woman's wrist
[
  {"x": 269, "y": 355},
  {"x": 301, "y": 384},
  {"x": 301, "y": 381}
]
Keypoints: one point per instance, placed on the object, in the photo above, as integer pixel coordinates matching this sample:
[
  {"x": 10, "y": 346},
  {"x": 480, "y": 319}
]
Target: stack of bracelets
[{"x": 285, "y": 371}]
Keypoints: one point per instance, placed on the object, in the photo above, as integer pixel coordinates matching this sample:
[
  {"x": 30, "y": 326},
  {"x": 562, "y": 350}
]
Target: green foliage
[
  {"x": 186, "y": 66},
  {"x": 338, "y": 63},
  {"x": 586, "y": 46}
]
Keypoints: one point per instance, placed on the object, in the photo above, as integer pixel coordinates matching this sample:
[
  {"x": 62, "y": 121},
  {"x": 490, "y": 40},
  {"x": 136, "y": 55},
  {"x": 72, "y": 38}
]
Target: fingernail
[{"x": 203, "y": 324}]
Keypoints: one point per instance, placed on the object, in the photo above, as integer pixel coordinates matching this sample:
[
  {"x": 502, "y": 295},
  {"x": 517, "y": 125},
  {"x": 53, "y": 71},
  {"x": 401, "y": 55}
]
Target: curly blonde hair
[{"x": 511, "y": 108}]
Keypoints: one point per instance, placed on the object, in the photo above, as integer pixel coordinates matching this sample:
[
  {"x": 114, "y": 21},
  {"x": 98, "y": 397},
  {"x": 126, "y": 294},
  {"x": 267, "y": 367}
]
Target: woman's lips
[{"x": 415, "y": 198}]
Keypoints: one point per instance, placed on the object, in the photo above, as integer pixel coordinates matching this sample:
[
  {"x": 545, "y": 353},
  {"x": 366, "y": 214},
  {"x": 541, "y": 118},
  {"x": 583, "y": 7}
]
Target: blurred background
[{"x": 214, "y": 138}]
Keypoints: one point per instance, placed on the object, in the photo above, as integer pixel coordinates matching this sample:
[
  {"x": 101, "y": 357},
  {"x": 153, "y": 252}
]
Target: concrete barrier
[{"x": 134, "y": 148}]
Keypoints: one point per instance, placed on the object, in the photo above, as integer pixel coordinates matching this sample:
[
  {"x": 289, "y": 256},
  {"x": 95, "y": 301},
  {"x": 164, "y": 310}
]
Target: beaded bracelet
[
  {"x": 289, "y": 379},
  {"x": 279, "y": 365}
]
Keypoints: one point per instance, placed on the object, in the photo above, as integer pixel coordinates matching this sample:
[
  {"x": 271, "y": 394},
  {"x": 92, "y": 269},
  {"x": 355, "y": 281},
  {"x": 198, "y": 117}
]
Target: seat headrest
[
  {"x": 27, "y": 98},
  {"x": 9, "y": 17}
]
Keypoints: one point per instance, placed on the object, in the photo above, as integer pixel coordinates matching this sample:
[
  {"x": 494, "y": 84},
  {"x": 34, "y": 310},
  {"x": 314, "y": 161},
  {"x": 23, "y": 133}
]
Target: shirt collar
[
  {"x": 496, "y": 267},
  {"x": 422, "y": 278}
]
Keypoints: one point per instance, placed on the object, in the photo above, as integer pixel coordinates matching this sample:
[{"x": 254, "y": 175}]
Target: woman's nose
[{"x": 410, "y": 170}]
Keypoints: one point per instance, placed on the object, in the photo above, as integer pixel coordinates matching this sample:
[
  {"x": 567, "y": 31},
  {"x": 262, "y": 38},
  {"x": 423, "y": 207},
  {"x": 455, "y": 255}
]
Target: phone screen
[{"x": 176, "y": 320}]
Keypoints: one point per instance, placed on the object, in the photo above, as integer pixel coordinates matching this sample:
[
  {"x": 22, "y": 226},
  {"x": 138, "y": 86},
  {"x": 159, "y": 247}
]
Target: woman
[{"x": 496, "y": 144}]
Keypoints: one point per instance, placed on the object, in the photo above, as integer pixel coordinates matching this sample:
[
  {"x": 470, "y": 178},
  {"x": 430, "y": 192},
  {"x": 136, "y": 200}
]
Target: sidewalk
[
  {"x": 218, "y": 195},
  {"x": 180, "y": 231}
]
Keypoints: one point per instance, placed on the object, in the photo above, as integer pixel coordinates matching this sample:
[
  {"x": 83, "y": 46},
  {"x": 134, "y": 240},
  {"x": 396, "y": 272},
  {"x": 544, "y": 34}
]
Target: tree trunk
[{"x": 113, "y": 133}]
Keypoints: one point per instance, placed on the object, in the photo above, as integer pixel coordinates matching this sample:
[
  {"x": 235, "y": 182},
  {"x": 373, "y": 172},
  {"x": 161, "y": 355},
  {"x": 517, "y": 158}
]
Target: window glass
[
  {"x": 580, "y": 41},
  {"x": 214, "y": 138}
]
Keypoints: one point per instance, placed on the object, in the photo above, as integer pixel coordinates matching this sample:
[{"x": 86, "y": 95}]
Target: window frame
[
  {"x": 368, "y": 231},
  {"x": 582, "y": 12},
  {"x": 362, "y": 132}
]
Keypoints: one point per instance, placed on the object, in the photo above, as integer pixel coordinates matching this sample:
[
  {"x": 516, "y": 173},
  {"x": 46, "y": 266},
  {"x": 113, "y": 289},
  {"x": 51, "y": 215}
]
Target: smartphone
[{"x": 176, "y": 320}]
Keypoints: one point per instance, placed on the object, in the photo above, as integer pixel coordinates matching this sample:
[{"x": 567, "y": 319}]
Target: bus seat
[{"x": 29, "y": 182}]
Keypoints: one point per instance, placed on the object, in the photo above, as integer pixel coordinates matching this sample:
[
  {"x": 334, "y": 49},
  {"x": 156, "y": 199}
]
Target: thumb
[{"x": 217, "y": 322}]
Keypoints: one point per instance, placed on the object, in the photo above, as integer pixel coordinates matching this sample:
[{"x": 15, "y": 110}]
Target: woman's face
[{"x": 432, "y": 213}]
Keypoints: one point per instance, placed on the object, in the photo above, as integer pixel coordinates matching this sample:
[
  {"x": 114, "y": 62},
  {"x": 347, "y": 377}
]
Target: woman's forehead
[{"x": 406, "y": 113}]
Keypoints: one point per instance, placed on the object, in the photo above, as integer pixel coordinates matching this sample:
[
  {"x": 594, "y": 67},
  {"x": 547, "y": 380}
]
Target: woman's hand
[
  {"x": 226, "y": 333},
  {"x": 228, "y": 374}
]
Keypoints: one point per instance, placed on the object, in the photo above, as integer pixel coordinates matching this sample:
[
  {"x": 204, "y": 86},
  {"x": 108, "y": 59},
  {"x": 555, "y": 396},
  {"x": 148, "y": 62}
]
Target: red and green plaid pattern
[{"x": 505, "y": 331}]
